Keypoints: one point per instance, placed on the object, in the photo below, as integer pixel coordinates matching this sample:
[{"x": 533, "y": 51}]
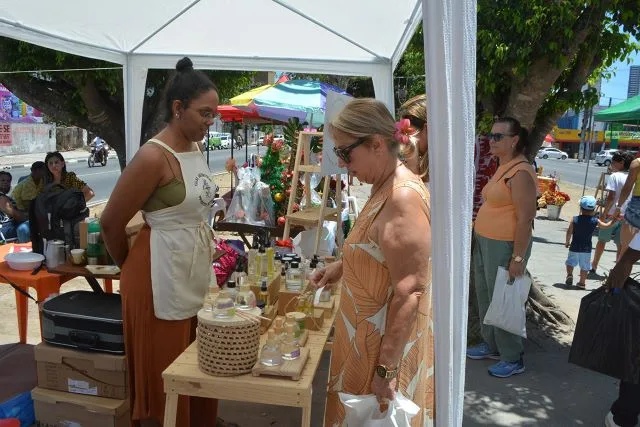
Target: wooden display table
[{"x": 183, "y": 377}]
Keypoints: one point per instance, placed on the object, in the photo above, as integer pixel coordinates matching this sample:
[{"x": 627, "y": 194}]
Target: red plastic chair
[{"x": 10, "y": 422}]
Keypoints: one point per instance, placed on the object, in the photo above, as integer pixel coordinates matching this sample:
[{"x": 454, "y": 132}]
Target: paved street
[
  {"x": 103, "y": 179},
  {"x": 571, "y": 171}
]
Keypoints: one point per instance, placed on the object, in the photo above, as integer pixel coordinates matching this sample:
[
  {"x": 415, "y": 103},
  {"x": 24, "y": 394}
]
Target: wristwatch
[
  {"x": 386, "y": 372},
  {"x": 517, "y": 258}
]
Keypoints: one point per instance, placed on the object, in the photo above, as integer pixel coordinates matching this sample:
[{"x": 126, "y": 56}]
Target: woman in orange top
[
  {"x": 503, "y": 238},
  {"x": 383, "y": 333}
]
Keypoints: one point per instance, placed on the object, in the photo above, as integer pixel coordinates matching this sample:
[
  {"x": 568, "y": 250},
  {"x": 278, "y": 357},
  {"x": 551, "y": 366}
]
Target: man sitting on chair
[{"x": 11, "y": 218}]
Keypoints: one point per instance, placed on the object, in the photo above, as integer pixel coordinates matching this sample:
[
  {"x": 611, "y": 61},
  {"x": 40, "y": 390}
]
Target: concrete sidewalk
[{"x": 24, "y": 161}]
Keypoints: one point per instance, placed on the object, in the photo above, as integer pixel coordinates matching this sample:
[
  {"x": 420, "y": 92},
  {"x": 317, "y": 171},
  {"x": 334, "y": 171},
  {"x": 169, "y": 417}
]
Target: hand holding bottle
[{"x": 327, "y": 276}]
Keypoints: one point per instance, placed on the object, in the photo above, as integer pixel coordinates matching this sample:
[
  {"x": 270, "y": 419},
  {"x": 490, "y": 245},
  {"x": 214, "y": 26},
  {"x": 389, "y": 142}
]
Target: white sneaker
[{"x": 608, "y": 421}]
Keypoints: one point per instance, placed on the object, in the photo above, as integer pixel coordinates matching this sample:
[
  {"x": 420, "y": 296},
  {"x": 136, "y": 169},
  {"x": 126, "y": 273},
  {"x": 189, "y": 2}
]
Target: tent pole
[
  {"x": 246, "y": 144},
  {"x": 208, "y": 137}
]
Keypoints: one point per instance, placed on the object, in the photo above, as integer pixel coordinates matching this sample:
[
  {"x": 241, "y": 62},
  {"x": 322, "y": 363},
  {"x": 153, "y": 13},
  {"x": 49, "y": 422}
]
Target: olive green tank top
[{"x": 165, "y": 196}]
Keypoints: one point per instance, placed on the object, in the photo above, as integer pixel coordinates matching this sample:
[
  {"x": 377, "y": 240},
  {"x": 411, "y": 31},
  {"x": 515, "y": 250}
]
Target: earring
[{"x": 177, "y": 116}]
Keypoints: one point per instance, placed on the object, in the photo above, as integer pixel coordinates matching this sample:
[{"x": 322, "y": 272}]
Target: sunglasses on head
[
  {"x": 498, "y": 136},
  {"x": 344, "y": 153}
]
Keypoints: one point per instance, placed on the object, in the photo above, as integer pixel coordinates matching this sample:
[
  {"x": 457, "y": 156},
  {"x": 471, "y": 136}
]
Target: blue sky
[{"x": 616, "y": 87}]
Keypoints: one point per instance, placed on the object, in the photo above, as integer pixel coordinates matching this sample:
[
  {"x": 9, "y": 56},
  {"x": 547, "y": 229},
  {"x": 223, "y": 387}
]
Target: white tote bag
[
  {"x": 364, "y": 411},
  {"x": 507, "y": 310}
]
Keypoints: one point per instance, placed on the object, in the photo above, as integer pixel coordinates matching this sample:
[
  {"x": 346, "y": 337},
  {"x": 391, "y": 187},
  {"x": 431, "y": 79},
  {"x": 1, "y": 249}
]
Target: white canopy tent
[{"x": 356, "y": 37}]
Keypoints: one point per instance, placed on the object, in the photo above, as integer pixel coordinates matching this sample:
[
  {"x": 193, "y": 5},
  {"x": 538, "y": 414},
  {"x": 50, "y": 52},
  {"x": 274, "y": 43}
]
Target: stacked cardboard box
[{"x": 83, "y": 389}]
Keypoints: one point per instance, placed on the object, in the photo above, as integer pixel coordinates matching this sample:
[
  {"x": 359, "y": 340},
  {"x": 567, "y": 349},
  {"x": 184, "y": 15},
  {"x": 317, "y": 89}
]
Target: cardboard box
[
  {"x": 287, "y": 300},
  {"x": 74, "y": 371},
  {"x": 315, "y": 322},
  {"x": 273, "y": 288},
  {"x": 56, "y": 408}
]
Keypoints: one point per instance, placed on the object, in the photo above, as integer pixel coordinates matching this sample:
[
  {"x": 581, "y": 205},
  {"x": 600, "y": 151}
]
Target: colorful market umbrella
[
  {"x": 229, "y": 113},
  {"x": 304, "y": 99}
]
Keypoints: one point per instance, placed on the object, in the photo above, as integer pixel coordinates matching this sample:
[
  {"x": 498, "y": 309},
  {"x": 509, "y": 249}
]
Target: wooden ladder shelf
[{"x": 312, "y": 216}]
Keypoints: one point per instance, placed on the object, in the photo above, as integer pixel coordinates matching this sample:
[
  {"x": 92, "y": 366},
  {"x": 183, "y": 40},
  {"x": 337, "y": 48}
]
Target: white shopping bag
[
  {"x": 506, "y": 310},
  {"x": 364, "y": 411}
]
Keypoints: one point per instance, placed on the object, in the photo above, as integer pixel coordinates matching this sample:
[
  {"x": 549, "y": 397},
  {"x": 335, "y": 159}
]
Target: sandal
[
  {"x": 580, "y": 285},
  {"x": 569, "y": 281}
]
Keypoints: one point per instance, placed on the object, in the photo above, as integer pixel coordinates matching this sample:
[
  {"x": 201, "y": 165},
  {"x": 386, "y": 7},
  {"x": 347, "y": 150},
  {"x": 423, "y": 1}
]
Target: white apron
[{"x": 182, "y": 243}]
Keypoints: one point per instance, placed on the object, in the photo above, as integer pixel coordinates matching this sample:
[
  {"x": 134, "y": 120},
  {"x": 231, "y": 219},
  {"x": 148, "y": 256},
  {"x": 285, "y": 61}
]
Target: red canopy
[{"x": 229, "y": 113}]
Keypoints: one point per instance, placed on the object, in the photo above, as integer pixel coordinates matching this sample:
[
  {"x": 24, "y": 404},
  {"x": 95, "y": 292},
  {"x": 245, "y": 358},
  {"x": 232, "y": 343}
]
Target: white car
[
  {"x": 552, "y": 153},
  {"x": 604, "y": 157},
  {"x": 225, "y": 141}
]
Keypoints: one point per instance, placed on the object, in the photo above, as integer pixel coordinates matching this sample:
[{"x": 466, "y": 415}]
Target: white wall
[{"x": 28, "y": 138}]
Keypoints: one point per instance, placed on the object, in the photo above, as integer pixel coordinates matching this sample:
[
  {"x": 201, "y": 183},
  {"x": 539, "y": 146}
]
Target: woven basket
[{"x": 227, "y": 347}]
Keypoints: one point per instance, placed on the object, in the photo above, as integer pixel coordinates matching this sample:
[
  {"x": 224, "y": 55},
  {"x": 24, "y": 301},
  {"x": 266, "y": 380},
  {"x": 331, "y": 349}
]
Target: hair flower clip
[{"x": 403, "y": 131}]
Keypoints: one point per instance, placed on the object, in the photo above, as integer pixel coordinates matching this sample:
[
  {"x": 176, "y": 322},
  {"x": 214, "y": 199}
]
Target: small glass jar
[
  {"x": 246, "y": 299},
  {"x": 294, "y": 277},
  {"x": 289, "y": 347},
  {"x": 212, "y": 296},
  {"x": 224, "y": 307},
  {"x": 290, "y": 319},
  {"x": 270, "y": 354}
]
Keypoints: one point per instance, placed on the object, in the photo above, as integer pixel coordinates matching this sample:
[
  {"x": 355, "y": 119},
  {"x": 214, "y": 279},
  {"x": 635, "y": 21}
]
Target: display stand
[
  {"x": 601, "y": 193},
  {"x": 184, "y": 377},
  {"x": 312, "y": 216}
]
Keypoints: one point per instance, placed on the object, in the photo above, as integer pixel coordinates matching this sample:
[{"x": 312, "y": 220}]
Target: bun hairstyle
[
  {"x": 522, "y": 146},
  {"x": 415, "y": 110},
  {"x": 186, "y": 85}
]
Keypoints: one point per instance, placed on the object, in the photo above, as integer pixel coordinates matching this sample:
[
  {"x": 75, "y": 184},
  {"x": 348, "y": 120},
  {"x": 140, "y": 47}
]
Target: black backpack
[{"x": 55, "y": 214}]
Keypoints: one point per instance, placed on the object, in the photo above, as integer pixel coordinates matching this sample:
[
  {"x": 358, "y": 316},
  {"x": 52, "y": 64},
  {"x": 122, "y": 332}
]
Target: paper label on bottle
[
  {"x": 295, "y": 353},
  {"x": 81, "y": 387}
]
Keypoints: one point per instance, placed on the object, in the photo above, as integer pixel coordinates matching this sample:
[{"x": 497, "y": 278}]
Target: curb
[{"x": 28, "y": 165}]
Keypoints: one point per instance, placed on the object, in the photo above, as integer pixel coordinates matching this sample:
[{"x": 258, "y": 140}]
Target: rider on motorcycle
[{"x": 99, "y": 145}]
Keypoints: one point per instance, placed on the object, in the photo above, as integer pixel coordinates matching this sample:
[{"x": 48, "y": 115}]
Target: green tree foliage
[
  {"x": 533, "y": 57},
  {"x": 93, "y": 100}
]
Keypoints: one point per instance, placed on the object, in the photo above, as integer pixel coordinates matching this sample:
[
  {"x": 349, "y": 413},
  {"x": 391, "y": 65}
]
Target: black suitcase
[{"x": 85, "y": 320}]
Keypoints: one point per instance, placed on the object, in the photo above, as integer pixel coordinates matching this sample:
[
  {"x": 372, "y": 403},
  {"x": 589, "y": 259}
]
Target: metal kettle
[{"x": 54, "y": 253}]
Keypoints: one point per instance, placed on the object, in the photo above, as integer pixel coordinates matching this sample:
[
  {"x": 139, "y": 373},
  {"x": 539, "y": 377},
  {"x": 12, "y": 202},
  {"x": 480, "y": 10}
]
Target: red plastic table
[{"x": 44, "y": 283}]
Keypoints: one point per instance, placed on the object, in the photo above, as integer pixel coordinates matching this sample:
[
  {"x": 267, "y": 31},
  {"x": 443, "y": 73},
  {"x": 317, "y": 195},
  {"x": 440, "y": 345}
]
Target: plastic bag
[
  {"x": 240, "y": 208},
  {"x": 226, "y": 264},
  {"x": 507, "y": 310},
  {"x": 364, "y": 411},
  {"x": 316, "y": 200},
  {"x": 305, "y": 241},
  {"x": 262, "y": 205},
  {"x": 606, "y": 335}
]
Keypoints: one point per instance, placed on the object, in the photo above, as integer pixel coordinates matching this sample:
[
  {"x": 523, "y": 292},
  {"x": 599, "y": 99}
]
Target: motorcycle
[{"x": 98, "y": 156}]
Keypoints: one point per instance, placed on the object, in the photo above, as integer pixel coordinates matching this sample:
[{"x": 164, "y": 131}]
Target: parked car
[
  {"x": 552, "y": 153},
  {"x": 603, "y": 158},
  {"x": 225, "y": 141}
]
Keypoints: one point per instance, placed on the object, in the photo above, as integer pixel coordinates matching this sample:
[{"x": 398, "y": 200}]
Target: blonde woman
[
  {"x": 383, "y": 341},
  {"x": 416, "y": 153}
]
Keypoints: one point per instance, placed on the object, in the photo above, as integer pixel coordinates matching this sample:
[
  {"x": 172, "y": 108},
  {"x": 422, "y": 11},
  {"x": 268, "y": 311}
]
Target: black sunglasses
[
  {"x": 344, "y": 153},
  {"x": 498, "y": 136}
]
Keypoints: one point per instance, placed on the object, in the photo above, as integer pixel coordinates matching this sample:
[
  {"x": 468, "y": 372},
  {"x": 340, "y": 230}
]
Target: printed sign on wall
[{"x": 5, "y": 134}]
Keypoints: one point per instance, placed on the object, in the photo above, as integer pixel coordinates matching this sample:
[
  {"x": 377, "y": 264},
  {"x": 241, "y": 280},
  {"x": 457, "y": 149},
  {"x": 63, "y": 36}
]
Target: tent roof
[
  {"x": 625, "y": 112},
  {"x": 259, "y": 32}
]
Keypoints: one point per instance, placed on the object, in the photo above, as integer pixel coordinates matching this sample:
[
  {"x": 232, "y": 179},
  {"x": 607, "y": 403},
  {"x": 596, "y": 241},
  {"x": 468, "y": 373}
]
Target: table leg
[
  {"x": 306, "y": 415},
  {"x": 245, "y": 240},
  {"x": 22, "y": 310},
  {"x": 43, "y": 291},
  {"x": 108, "y": 286},
  {"x": 171, "y": 410}
]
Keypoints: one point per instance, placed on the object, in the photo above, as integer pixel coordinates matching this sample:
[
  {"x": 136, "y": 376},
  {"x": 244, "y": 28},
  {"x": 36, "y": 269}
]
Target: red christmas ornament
[
  {"x": 281, "y": 220},
  {"x": 296, "y": 207}
]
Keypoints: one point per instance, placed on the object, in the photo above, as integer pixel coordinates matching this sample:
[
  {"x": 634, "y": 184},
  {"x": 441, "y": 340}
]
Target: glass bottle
[
  {"x": 224, "y": 306},
  {"x": 290, "y": 319},
  {"x": 294, "y": 277},
  {"x": 232, "y": 290},
  {"x": 271, "y": 355},
  {"x": 253, "y": 252},
  {"x": 264, "y": 267},
  {"x": 260, "y": 260},
  {"x": 246, "y": 299},
  {"x": 95, "y": 247},
  {"x": 289, "y": 346},
  {"x": 212, "y": 294},
  {"x": 263, "y": 296},
  {"x": 270, "y": 254}
]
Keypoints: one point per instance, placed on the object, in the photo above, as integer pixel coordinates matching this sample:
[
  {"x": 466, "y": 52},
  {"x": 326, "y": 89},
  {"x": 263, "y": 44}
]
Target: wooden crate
[{"x": 327, "y": 306}]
